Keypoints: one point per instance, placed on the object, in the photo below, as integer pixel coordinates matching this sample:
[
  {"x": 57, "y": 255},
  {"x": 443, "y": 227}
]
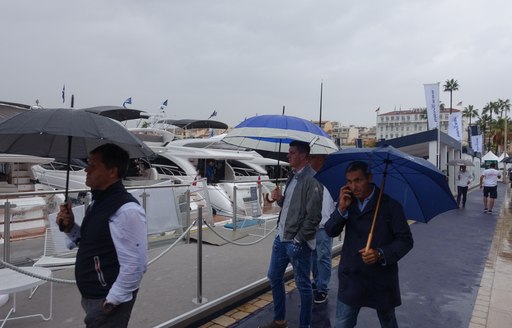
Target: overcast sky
[{"x": 248, "y": 57}]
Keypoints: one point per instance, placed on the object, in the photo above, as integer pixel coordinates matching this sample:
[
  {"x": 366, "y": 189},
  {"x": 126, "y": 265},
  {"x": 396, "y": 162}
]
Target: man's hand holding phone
[{"x": 345, "y": 199}]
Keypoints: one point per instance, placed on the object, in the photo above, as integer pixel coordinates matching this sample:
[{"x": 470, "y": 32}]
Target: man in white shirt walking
[
  {"x": 489, "y": 181},
  {"x": 464, "y": 179},
  {"x": 112, "y": 256}
]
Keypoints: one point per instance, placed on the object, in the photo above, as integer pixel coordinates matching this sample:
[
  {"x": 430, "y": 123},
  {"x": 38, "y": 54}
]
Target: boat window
[
  {"x": 4, "y": 171},
  {"x": 277, "y": 171},
  {"x": 60, "y": 165},
  {"x": 167, "y": 167},
  {"x": 241, "y": 169}
]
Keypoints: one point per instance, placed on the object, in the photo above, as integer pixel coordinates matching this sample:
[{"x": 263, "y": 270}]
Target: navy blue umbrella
[{"x": 418, "y": 185}]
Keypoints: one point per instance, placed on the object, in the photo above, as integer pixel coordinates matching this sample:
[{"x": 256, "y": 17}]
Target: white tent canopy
[{"x": 490, "y": 157}]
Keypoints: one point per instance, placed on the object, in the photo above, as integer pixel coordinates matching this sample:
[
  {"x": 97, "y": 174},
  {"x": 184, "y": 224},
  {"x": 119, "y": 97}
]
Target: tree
[
  {"x": 483, "y": 123},
  {"x": 470, "y": 111},
  {"x": 505, "y": 107},
  {"x": 451, "y": 85}
]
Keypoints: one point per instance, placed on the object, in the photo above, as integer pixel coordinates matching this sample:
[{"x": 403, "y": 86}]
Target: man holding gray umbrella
[{"x": 112, "y": 256}]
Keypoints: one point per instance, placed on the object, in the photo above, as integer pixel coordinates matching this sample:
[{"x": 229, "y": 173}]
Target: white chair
[
  {"x": 56, "y": 255},
  {"x": 253, "y": 210}
]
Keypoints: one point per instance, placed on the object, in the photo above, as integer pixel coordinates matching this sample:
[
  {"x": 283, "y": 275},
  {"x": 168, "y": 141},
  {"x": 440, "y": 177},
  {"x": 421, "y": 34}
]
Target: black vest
[{"x": 97, "y": 265}]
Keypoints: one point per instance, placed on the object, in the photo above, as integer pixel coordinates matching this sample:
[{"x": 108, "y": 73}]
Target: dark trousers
[
  {"x": 462, "y": 191},
  {"x": 95, "y": 317}
]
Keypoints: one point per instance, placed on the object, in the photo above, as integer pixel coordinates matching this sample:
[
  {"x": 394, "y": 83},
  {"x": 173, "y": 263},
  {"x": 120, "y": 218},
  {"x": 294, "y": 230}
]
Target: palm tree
[
  {"x": 470, "y": 111},
  {"x": 505, "y": 107},
  {"x": 492, "y": 107},
  {"x": 451, "y": 85},
  {"x": 498, "y": 138},
  {"x": 484, "y": 122}
]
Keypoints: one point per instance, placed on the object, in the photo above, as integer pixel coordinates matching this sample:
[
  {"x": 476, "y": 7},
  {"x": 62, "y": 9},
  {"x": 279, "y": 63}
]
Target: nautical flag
[
  {"x": 432, "y": 98},
  {"x": 459, "y": 104},
  {"x": 164, "y": 105},
  {"x": 127, "y": 101},
  {"x": 377, "y": 110},
  {"x": 455, "y": 126},
  {"x": 476, "y": 143},
  {"x": 64, "y": 93},
  {"x": 213, "y": 114}
]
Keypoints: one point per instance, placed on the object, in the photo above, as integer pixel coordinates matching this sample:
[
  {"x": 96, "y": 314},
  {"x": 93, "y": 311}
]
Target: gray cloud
[{"x": 252, "y": 57}]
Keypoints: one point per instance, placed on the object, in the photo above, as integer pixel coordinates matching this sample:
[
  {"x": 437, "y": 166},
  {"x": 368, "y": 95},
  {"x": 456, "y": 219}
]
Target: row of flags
[
  {"x": 454, "y": 119},
  {"x": 128, "y": 101},
  {"x": 163, "y": 106}
]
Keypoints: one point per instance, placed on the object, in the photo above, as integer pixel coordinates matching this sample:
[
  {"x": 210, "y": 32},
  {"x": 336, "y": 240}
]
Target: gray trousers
[{"x": 95, "y": 317}]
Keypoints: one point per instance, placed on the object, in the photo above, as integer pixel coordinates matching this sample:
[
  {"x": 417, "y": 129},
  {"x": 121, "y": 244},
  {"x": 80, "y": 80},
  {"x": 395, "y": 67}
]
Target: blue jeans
[
  {"x": 299, "y": 255},
  {"x": 346, "y": 316},
  {"x": 321, "y": 264}
]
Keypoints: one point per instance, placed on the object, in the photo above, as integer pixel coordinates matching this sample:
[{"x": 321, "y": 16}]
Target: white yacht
[
  {"x": 236, "y": 171},
  {"x": 28, "y": 213}
]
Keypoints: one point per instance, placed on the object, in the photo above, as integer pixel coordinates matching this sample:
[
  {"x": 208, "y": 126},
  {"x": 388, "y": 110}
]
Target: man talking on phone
[{"x": 368, "y": 278}]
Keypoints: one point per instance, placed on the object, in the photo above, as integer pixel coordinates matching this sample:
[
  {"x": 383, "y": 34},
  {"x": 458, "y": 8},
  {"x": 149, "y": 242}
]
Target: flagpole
[
  {"x": 438, "y": 129},
  {"x": 321, "y": 92},
  {"x": 278, "y": 176},
  {"x": 462, "y": 130}
]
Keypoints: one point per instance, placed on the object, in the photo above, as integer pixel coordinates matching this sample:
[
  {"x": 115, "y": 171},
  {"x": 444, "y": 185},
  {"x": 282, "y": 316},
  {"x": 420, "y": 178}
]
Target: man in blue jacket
[{"x": 368, "y": 278}]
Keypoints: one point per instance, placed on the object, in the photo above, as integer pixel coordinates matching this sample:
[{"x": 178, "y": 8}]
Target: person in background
[
  {"x": 368, "y": 278},
  {"x": 489, "y": 182},
  {"x": 301, "y": 206},
  {"x": 464, "y": 179},
  {"x": 210, "y": 171},
  {"x": 321, "y": 262},
  {"x": 112, "y": 240}
]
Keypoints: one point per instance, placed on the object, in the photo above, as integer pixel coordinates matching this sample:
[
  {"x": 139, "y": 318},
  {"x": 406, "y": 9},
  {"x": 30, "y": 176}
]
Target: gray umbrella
[
  {"x": 460, "y": 162},
  {"x": 65, "y": 133}
]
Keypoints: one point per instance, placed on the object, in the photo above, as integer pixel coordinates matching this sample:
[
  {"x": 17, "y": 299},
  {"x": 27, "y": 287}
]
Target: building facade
[{"x": 402, "y": 123}]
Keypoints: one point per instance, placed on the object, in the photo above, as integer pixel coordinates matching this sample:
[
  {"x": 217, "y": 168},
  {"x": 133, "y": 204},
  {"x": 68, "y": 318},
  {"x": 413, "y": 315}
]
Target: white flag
[
  {"x": 432, "y": 98},
  {"x": 476, "y": 143},
  {"x": 455, "y": 126}
]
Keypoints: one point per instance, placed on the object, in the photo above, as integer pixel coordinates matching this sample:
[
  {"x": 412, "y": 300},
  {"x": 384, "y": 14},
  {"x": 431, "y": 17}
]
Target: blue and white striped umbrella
[{"x": 273, "y": 133}]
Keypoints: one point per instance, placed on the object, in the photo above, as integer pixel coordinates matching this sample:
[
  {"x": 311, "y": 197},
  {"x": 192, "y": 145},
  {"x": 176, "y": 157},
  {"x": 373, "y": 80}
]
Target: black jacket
[{"x": 362, "y": 285}]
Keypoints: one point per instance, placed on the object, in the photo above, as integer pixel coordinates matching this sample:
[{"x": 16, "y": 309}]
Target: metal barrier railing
[{"x": 183, "y": 210}]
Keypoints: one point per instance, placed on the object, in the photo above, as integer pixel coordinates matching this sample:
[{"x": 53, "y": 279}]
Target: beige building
[{"x": 401, "y": 123}]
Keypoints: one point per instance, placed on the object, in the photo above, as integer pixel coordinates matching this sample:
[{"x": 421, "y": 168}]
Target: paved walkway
[{"x": 459, "y": 274}]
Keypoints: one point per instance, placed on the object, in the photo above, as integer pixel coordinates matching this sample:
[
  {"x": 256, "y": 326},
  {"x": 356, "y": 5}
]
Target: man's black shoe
[{"x": 320, "y": 297}]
